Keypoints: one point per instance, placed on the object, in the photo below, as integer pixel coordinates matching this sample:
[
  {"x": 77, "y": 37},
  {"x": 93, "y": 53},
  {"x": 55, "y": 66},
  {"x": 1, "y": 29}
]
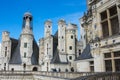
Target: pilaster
[
  {"x": 109, "y": 25},
  {"x": 118, "y": 9}
]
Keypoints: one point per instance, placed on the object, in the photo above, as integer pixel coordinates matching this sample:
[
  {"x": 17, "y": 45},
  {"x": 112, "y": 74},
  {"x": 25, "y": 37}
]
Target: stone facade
[
  {"x": 59, "y": 51},
  {"x": 97, "y": 51},
  {"x": 21, "y": 54},
  {"x": 54, "y": 53},
  {"x": 101, "y": 24}
]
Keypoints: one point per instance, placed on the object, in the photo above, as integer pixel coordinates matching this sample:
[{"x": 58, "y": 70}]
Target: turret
[
  {"x": 48, "y": 28},
  {"x": 71, "y": 41},
  {"x": 26, "y": 45},
  {"x": 27, "y": 23}
]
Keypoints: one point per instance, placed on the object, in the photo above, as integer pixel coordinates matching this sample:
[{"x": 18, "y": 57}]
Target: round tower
[
  {"x": 26, "y": 39},
  {"x": 48, "y": 28},
  {"x": 71, "y": 41}
]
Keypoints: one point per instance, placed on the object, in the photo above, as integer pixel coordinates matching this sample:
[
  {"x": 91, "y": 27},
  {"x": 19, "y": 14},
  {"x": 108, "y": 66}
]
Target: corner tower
[
  {"x": 26, "y": 39},
  {"x": 71, "y": 41}
]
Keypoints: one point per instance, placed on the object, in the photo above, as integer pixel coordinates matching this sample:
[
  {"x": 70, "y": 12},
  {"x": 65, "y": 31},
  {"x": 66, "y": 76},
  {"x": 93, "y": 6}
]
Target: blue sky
[{"x": 12, "y": 11}]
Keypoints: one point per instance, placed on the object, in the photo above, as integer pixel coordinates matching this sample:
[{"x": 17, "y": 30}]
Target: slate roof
[
  {"x": 56, "y": 34},
  {"x": 15, "y": 53},
  {"x": 56, "y": 58},
  {"x": 86, "y": 54},
  {"x": 13, "y": 45},
  {"x": 35, "y": 55}
]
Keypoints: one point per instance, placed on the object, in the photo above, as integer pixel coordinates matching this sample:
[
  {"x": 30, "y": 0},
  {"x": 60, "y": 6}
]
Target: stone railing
[
  {"x": 68, "y": 75},
  {"x": 101, "y": 76},
  {"x": 60, "y": 75}
]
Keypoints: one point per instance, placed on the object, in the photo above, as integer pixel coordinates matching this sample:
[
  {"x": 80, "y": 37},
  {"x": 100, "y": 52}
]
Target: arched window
[
  {"x": 71, "y": 36},
  {"x": 24, "y": 65},
  {"x": 72, "y": 69},
  {"x": 59, "y": 70},
  {"x": 12, "y": 69},
  {"x": 66, "y": 70},
  {"x": 35, "y": 69},
  {"x": 79, "y": 52}
]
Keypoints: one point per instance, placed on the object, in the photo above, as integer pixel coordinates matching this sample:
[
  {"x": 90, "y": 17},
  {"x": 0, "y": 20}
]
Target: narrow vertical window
[
  {"x": 70, "y": 57},
  {"x": 71, "y": 36},
  {"x": 62, "y": 37},
  {"x": 24, "y": 54},
  {"x": 25, "y": 45},
  {"x": 47, "y": 48},
  {"x": 79, "y": 52},
  {"x": 4, "y": 64},
  {"x": 5, "y": 51},
  {"x": 5, "y": 48}
]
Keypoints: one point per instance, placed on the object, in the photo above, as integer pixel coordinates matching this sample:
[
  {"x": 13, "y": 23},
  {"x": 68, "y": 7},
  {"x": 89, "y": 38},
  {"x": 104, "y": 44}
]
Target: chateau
[
  {"x": 54, "y": 53},
  {"x": 97, "y": 51}
]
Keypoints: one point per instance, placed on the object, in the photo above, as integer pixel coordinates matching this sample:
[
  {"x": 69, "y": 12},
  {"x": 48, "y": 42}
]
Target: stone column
[
  {"x": 118, "y": 11},
  {"x": 109, "y": 24},
  {"x": 99, "y": 26},
  {"x": 113, "y": 62}
]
